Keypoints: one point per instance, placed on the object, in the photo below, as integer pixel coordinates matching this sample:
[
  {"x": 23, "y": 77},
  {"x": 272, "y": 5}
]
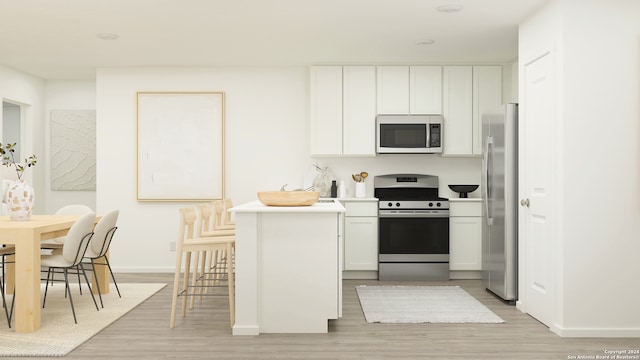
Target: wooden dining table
[{"x": 24, "y": 273}]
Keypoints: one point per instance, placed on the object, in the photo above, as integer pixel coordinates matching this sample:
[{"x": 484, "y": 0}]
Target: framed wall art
[
  {"x": 73, "y": 150},
  {"x": 180, "y": 146}
]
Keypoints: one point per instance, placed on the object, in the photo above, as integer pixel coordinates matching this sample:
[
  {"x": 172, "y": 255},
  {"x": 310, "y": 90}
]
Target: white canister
[
  {"x": 342, "y": 190},
  {"x": 361, "y": 190}
]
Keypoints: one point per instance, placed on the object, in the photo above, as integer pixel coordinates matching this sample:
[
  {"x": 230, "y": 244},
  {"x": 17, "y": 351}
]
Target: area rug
[
  {"x": 422, "y": 304},
  {"x": 58, "y": 334}
]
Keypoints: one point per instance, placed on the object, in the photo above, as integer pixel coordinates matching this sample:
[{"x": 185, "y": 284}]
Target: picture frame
[{"x": 180, "y": 146}]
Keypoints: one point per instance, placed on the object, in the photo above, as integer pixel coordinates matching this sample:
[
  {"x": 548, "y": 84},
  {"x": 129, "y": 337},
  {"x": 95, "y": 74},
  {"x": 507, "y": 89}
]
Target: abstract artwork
[{"x": 73, "y": 150}]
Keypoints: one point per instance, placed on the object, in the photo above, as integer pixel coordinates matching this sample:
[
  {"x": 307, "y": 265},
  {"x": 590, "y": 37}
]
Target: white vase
[{"x": 20, "y": 196}]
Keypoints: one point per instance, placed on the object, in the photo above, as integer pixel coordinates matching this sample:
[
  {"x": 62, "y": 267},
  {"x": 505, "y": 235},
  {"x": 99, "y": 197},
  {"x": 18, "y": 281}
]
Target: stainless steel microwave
[{"x": 408, "y": 134}]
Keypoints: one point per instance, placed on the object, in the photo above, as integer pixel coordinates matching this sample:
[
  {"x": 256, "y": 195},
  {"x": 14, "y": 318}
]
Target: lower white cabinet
[
  {"x": 465, "y": 235},
  {"x": 360, "y": 234}
]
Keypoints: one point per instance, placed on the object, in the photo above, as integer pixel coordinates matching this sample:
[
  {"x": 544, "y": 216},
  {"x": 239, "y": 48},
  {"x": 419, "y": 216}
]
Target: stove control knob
[
  {"x": 430, "y": 204},
  {"x": 397, "y": 204},
  {"x": 390, "y": 204},
  {"x": 438, "y": 204}
]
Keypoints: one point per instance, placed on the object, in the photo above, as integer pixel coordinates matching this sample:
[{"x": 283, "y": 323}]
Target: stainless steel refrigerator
[{"x": 500, "y": 191}]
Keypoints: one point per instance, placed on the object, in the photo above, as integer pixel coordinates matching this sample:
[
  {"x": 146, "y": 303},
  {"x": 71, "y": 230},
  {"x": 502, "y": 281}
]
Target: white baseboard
[{"x": 595, "y": 332}]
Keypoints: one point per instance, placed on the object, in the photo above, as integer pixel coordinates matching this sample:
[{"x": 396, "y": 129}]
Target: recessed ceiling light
[
  {"x": 425, "y": 42},
  {"x": 449, "y": 8},
  {"x": 107, "y": 36}
]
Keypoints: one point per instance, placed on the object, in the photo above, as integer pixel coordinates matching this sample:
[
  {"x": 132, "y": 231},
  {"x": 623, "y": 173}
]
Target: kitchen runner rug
[
  {"x": 58, "y": 334},
  {"x": 422, "y": 304}
]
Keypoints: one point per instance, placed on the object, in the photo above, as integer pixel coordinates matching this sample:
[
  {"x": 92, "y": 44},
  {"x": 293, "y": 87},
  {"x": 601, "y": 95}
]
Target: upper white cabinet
[
  {"x": 326, "y": 110},
  {"x": 409, "y": 90},
  {"x": 393, "y": 89},
  {"x": 359, "y": 110},
  {"x": 457, "y": 109},
  {"x": 468, "y": 92},
  {"x": 425, "y": 90},
  {"x": 487, "y": 95},
  {"x": 346, "y": 99},
  {"x": 343, "y": 110}
]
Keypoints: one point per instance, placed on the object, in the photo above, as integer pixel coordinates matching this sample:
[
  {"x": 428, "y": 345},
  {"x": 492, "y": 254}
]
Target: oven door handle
[{"x": 414, "y": 214}]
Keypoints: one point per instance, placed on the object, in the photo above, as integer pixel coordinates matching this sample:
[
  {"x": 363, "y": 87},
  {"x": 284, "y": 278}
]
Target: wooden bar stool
[{"x": 189, "y": 244}]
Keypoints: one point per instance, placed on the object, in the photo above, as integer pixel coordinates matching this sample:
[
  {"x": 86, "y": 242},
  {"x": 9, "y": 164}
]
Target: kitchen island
[{"x": 288, "y": 268}]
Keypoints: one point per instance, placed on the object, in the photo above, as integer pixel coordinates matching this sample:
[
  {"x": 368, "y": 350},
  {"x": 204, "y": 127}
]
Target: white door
[{"x": 536, "y": 174}]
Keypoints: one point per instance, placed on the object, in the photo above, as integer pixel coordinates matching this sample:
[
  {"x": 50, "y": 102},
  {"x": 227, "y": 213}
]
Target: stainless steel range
[{"x": 413, "y": 238}]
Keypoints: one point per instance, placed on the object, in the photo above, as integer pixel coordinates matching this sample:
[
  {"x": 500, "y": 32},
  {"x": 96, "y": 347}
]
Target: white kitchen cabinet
[
  {"x": 425, "y": 95},
  {"x": 487, "y": 95},
  {"x": 326, "y": 110},
  {"x": 457, "y": 109},
  {"x": 465, "y": 235},
  {"x": 392, "y": 90},
  {"x": 360, "y": 234},
  {"x": 409, "y": 90},
  {"x": 468, "y": 91},
  {"x": 358, "y": 110}
]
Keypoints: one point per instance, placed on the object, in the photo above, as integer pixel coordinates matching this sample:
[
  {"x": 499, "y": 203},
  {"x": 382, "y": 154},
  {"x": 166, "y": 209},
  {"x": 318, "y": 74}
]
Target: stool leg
[
  {"x": 187, "y": 269},
  {"x": 194, "y": 279},
  {"x": 231, "y": 284},
  {"x": 176, "y": 286}
]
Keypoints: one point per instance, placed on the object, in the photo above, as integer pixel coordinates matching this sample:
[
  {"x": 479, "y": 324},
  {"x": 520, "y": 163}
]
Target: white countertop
[
  {"x": 322, "y": 206},
  {"x": 355, "y": 199},
  {"x": 465, "y": 199}
]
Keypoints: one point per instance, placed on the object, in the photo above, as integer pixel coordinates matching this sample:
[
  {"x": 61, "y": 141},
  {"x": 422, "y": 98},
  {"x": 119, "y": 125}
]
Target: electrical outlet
[{"x": 172, "y": 246}]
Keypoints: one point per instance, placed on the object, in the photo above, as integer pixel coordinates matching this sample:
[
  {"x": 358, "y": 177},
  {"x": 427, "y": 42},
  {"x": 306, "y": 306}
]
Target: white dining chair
[
  {"x": 73, "y": 251},
  {"x": 73, "y": 209},
  {"x": 99, "y": 246}
]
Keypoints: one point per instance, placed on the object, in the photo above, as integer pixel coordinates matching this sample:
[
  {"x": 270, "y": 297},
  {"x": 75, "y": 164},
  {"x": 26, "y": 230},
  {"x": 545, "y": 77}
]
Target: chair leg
[
  {"x": 46, "y": 286},
  {"x": 4, "y": 301},
  {"x": 112, "y": 277},
  {"x": 93, "y": 268},
  {"x": 81, "y": 267},
  {"x": 68, "y": 290}
]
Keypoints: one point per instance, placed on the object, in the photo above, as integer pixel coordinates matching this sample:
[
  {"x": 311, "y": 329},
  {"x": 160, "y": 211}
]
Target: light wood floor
[{"x": 205, "y": 334}]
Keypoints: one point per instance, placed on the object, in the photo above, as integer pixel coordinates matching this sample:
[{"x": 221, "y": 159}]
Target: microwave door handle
[{"x": 428, "y": 136}]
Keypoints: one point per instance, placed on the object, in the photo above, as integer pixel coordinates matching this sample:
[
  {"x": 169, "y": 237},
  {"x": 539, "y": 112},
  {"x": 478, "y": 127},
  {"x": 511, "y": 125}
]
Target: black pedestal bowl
[{"x": 463, "y": 190}]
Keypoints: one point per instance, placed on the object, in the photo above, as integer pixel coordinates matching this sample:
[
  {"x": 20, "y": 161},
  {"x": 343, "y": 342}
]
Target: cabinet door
[
  {"x": 359, "y": 110},
  {"x": 393, "y": 90},
  {"x": 326, "y": 110},
  {"x": 465, "y": 236},
  {"x": 487, "y": 95},
  {"x": 361, "y": 243},
  {"x": 425, "y": 90},
  {"x": 457, "y": 108}
]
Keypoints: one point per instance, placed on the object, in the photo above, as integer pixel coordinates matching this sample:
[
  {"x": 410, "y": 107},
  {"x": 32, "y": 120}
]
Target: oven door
[{"x": 413, "y": 235}]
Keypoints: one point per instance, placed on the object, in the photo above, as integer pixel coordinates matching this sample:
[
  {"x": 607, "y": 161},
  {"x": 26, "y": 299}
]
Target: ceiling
[{"x": 57, "y": 39}]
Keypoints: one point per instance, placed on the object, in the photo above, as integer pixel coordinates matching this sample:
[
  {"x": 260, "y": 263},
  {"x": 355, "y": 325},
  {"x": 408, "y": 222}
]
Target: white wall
[
  {"x": 598, "y": 90},
  {"x": 28, "y": 91},
  {"x": 267, "y": 137},
  {"x": 66, "y": 95}
]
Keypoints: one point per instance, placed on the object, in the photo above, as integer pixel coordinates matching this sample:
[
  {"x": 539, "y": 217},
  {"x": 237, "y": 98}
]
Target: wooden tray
[{"x": 288, "y": 198}]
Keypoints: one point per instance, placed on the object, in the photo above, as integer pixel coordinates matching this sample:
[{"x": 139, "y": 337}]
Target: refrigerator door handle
[{"x": 487, "y": 178}]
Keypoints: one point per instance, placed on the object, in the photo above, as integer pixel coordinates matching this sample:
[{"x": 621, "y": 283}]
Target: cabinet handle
[{"x": 524, "y": 202}]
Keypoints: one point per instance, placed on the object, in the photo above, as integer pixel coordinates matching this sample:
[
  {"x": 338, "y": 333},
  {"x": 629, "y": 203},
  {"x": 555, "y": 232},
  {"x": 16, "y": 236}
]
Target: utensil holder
[{"x": 361, "y": 190}]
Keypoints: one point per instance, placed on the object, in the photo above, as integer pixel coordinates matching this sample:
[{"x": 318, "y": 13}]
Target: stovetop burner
[{"x": 408, "y": 191}]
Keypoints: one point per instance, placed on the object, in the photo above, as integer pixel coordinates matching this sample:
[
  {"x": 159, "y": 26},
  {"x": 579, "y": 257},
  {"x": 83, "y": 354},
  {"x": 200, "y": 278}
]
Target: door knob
[{"x": 524, "y": 202}]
